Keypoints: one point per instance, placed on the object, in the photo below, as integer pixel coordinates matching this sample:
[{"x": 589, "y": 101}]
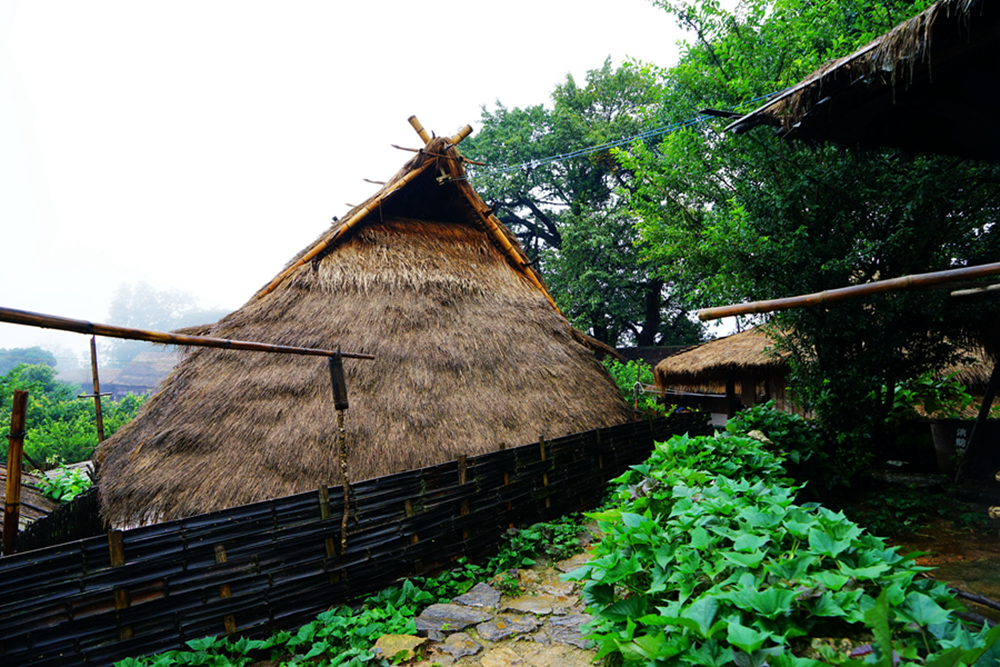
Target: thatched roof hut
[
  {"x": 143, "y": 373},
  {"x": 743, "y": 367},
  {"x": 471, "y": 354},
  {"x": 746, "y": 369},
  {"x": 930, "y": 84}
]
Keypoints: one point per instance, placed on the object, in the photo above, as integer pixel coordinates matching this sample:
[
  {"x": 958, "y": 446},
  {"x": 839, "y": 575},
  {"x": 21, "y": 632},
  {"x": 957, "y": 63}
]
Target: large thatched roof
[
  {"x": 930, "y": 84},
  {"x": 470, "y": 354}
]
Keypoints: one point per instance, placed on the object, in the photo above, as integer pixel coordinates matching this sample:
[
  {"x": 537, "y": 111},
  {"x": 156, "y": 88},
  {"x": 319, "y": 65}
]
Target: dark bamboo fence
[{"x": 275, "y": 564}]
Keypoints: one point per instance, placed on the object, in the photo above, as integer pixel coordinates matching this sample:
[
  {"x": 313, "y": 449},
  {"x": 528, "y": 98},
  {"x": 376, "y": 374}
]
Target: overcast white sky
[{"x": 199, "y": 145}]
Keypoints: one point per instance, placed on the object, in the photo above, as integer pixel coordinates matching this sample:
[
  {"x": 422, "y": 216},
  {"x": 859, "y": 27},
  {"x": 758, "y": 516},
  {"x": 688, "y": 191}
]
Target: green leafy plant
[
  {"x": 708, "y": 560},
  {"x": 65, "y": 484},
  {"x": 939, "y": 397}
]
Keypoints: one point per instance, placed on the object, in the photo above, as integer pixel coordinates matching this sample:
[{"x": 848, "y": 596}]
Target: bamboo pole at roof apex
[
  {"x": 351, "y": 222},
  {"x": 40, "y": 320},
  {"x": 829, "y": 296}
]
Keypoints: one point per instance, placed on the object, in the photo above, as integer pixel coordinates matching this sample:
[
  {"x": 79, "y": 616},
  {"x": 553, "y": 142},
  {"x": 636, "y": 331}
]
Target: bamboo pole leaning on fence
[
  {"x": 935, "y": 278},
  {"x": 81, "y": 326},
  {"x": 12, "y": 499}
]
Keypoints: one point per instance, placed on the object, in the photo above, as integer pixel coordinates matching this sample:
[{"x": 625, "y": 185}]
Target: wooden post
[
  {"x": 545, "y": 475},
  {"x": 97, "y": 389},
  {"x": 979, "y": 428},
  {"x": 116, "y": 547},
  {"x": 325, "y": 513},
  {"x": 228, "y": 621},
  {"x": 462, "y": 477},
  {"x": 15, "y": 447}
]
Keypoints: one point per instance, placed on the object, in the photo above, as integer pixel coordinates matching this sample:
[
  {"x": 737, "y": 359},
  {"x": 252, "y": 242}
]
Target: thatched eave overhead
[{"x": 932, "y": 84}]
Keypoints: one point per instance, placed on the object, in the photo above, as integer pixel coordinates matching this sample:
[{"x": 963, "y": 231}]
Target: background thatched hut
[
  {"x": 724, "y": 374},
  {"x": 470, "y": 354},
  {"x": 727, "y": 374}
]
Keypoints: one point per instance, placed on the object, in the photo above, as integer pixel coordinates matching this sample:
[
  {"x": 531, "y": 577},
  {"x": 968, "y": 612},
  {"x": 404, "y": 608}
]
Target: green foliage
[
  {"x": 24, "y": 355},
  {"x": 59, "y": 427},
  {"x": 940, "y": 397},
  {"x": 66, "y": 484},
  {"x": 626, "y": 376},
  {"x": 708, "y": 560},
  {"x": 569, "y": 214},
  {"x": 730, "y": 218}
]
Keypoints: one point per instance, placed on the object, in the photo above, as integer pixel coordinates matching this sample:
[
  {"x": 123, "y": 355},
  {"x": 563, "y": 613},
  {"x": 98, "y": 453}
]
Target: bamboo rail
[
  {"x": 28, "y": 318},
  {"x": 830, "y": 296},
  {"x": 360, "y": 215}
]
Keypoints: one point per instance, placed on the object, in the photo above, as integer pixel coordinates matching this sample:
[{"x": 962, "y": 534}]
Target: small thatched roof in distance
[
  {"x": 706, "y": 367},
  {"x": 144, "y": 372},
  {"x": 931, "y": 84},
  {"x": 34, "y": 504},
  {"x": 470, "y": 354}
]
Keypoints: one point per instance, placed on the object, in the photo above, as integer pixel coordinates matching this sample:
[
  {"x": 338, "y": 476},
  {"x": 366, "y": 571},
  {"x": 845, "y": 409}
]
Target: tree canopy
[
  {"x": 569, "y": 214},
  {"x": 732, "y": 218},
  {"x": 142, "y": 306}
]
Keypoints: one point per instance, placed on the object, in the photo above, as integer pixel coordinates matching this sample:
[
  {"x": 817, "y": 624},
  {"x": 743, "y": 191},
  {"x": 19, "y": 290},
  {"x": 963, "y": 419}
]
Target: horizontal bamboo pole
[
  {"x": 351, "y": 222},
  {"x": 80, "y": 326},
  {"x": 830, "y": 296}
]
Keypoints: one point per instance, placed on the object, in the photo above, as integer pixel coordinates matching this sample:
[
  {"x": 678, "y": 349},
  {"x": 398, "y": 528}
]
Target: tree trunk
[{"x": 653, "y": 316}]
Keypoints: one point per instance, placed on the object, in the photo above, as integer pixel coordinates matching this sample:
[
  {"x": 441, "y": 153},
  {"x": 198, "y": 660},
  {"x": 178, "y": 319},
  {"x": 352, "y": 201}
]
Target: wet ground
[{"x": 966, "y": 559}]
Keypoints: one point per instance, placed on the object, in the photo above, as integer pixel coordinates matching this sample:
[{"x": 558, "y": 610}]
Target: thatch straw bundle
[{"x": 470, "y": 355}]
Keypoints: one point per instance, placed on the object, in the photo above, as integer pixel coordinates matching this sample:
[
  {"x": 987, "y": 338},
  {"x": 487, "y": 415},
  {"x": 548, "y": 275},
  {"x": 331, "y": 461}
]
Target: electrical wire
[{"x": 648, "y": 134}]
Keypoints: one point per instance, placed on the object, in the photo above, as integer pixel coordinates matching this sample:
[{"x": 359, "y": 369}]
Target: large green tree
[
  {"x": 9, "y": 358},
  {"x": 733, "y": 218},
  {"x": 142, "y": 306},
  {"x": 563, "y": 200}
]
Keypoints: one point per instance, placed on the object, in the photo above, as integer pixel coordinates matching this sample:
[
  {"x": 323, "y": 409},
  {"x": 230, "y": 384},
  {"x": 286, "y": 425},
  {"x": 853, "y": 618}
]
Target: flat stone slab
[
  {"x": 460, "y": 645},
  {"x": 389, "y": 646},
  {"x": 503, "y": 656},
  {"x": 573, "y": 563},
  {"x": 480, "y": 595},
  {"x": 507, "y": 626},
  {"x": 450, "y": 617},
  {"x": 566, "y": 630},
  {"x": 540, "y": 605}
]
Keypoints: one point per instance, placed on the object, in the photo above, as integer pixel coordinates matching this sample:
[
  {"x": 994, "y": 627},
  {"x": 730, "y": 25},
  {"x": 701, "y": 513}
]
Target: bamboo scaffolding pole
[
  {"x": 27, "y": 318},
  {"x": 358, "y": 216},
  {"x": 12, "y": 497},
  {"x": 830, "y": 296}
]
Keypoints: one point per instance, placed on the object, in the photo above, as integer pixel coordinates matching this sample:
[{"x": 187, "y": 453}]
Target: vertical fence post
[
  {"x": 228, "y": 621},
  {"x": 326, "y": 513},
  {"x": 15, "y": 447},
  {"x": 116, "y": 547},
  {"x": 545, "y": 475},
  {"x": 462, "y": 475}
]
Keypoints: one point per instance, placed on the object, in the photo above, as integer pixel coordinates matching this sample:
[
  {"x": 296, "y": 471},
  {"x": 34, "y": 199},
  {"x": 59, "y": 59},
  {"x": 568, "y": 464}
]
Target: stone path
[{"x": 538, "y": 627}]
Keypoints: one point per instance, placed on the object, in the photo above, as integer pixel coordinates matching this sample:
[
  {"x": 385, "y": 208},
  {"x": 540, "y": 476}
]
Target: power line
[{"x": 648, "y": 134}]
